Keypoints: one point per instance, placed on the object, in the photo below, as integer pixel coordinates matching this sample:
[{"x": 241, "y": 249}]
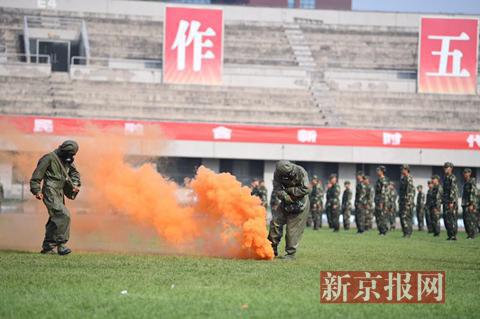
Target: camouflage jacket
[
  {"x": 370, "y": 194},
  {"x": 381, "y": 191},
  {"x": 469, "y": 194},
  {"x": 406, "y": 194},
  {"x": 360, "y": 195},
  {"x": 333, "y": 195},
  {"x": 450, "y": 190},
  {"x": 420, "y": 200},
  {"x": 263, "y": 195},
  {"x": 256, "y": 192},
  {"x": 297, "y": 187},
  {"x": 347, "y": 199},
  {"x": 316, "y": 196},
  {"x": 391, "y": 202},
  {"x": 437, "y": 193},
  {"x": 429, "y": 199}
]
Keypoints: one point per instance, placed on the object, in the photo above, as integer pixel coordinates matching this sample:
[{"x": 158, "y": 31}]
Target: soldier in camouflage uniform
[
  {"x": 255, "y": 189},
  {"x": 381, "y": 191},
  {"x": 346, "y": 205},
  {"x": 392, "y": 205},
  {"x": 406, "y": 199},
  {"x": 370, "y": 194},
  {"x": 263, "y": 193},
  {"x": 48, "y": 183},
  {"x": 420, "y": 208},
  {"x": 436, "y": 205},
  {"x": 360, "y": 203},
  {"x": 316, "y": 203},
  {"x": 291, "y": 186},
  {"x": 333, "y": 202},
  {"x": 450, "y": 201},
  {"x": 469, "y": 203},
  {"x": 428, "y": 205}
]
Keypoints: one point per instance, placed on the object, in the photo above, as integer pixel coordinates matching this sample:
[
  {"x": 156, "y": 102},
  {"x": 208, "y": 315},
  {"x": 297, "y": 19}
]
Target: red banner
[
  {"x": 448, "y": 55},
  {"x": 460, "y": 140},
  {"x": 193, "y": 45},
  {"x": 382, "y": 287}
]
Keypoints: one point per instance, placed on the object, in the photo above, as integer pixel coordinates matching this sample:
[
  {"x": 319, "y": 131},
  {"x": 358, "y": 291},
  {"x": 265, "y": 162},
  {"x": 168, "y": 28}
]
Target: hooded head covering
[{"x": 67, "y": 150}]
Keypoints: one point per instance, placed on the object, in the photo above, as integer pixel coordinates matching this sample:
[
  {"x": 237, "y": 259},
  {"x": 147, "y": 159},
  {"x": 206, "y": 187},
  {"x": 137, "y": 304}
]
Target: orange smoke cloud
[{"x": 219, "y": 218}]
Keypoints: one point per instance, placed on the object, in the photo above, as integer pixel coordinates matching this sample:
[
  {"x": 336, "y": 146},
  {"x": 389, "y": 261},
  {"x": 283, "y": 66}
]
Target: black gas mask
[{"x": 67, "y": 151}]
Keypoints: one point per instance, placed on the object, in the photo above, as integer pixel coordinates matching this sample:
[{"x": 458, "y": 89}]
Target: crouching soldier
[
  {"x": 291, "y": 185},
  {"x": 60, "y": 178}
]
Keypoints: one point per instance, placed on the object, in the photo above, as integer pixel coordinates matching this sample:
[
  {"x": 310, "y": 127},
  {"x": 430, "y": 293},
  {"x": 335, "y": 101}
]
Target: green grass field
[{"x": 89, "y": 285}]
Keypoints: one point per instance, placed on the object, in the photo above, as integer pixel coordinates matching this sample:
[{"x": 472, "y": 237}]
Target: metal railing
[
  {"x": 113, "y": 63},
  {"x": 14, "y": 58}
]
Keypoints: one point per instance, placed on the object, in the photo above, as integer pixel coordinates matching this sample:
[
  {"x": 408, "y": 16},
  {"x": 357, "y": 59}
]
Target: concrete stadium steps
[{"x": 402, "y": 110}]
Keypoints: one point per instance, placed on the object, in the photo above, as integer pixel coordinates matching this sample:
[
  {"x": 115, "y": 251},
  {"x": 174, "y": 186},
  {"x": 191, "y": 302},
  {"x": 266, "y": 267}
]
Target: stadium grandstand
[{"x": 344, "y": 82}]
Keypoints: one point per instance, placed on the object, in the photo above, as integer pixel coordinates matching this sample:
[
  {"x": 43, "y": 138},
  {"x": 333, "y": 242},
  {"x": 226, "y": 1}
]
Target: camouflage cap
[
  {"x": 436, "y": 177},
  {"x": 365, "y": 177},
  {"x": 467, "y": 171},
  {"x": 314, "y": 177},
  {"x": 346, "y": 183},
  {"x": 419, "y": 186},
  {"x": 448, "y": 164},
  {"x": 381, "y": 168},
  {"x": 284, "y": 167},
  {"x": 332, "y": 176},
  {"x": 360, "y": 173},
  {"x": 429, "y": 182},
  {"x": 405, "y": 166}
]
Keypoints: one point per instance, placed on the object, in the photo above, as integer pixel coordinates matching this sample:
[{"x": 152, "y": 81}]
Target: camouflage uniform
[
  {"x": 360, "y": 206},
  {"x": 316, "y": 205},
  {"x": 263, "y": 195},
  {"x": 469, "y": 206},
  {"x": 381, "y": 191},
  {"x": 346, "y": 208},
  {"x": 333, "y": 205},
  {"x": 50, "y": 171},
  {"x": 392, "y": 207},
  {"x": 435, "y": 208},
  {"x": 406, "y": 200},
  {"x": 420, "y": 208},
  {"x": 370, "y": 194},
  {"x": 428, "y": 205},
  {"x": 291, "y": 185},
  {"x": 450, "y": 204}
]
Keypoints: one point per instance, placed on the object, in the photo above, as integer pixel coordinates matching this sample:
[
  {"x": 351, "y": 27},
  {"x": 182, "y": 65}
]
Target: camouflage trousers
[
  {"x": 450, "y": 216},
  {"x": 317, "y": 218},
  {"x": 470, "y": 220},
  {"x": 369, "y": 218},
  {"x": 360, "y": 218},
  {"x": 406, "y": 215},
  {"x": 295, "y": 226},
  {"x": 391, "y": 218},
  {"x": 346, "y": 212},
  {"x": 420, "y": 217},
  {"x": 381, "y": 219},
  {"x": 435, "y": 220},
  {"x": 334, "y": 214},
  {"x": 428, "y": 220}
]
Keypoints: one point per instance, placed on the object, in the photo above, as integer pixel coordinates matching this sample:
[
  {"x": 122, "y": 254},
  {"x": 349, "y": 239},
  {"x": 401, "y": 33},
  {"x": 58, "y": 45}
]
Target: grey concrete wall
[
  {"x": 25, "y": 70},
  {"x": 155, "y": 11}
]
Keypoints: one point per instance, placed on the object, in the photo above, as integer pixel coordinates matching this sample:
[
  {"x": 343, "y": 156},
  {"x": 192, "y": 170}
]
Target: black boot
[{"x": 63, "y": 250}]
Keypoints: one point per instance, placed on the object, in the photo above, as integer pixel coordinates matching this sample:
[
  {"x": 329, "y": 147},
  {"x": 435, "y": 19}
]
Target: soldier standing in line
[
  {"x": 264, "y": 193},
  {"x": 381, "y": 190},
  {"x": 346, "y": 205},
  {"x": 370, "y": 194},
  {"x": 360, "y": 203},
  {"x": 436, "y": 205},
  {"x": 469, "y": 203},
  {"x": 406, "y": 200},
  {"x": 391, "y": 205},
  {"x": 428, "y": 207},
  {"x": 450, "y": 201},
  {"x": 420, "y": 208},
  {"x": 333, "y": 202},
  {"x": 316, "y": 204}
]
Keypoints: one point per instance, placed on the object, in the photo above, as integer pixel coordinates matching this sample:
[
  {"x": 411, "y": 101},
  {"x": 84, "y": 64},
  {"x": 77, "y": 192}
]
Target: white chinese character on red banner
[
  {"x": 195, "y": 37},
  {"x": 307, "y": 136},
  {"x": 400, "y": 284},
  {"x": 473, "y": 139},
  {"x": 43, "y": 126},
  {"x": 392, "y": 138},
  {"x": 445, "y": 54},
  {"x": 334, "y": 287},
  {"x": 133, "y": 129},
  {"x": 367, "y": 287},
  {"x": 222, "y": 133},
  {"x": 430, "y": 284}
]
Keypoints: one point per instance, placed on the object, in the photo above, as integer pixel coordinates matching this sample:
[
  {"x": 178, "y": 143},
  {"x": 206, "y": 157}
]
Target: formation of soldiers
[{"x": 382, "y": 203}]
